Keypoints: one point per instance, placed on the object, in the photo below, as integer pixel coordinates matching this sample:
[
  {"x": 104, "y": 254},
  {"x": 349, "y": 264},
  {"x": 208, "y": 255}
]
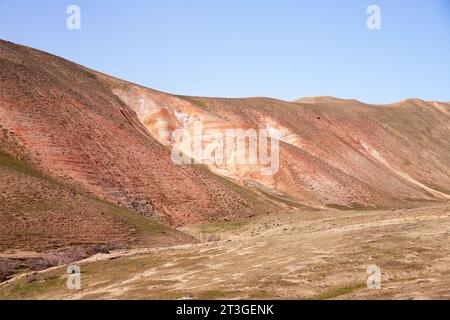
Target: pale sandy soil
[{"x": 296, "y": 255}]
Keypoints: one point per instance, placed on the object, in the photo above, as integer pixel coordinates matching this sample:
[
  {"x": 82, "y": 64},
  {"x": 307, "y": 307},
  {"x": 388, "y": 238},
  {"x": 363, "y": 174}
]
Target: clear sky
[{"x": 236, "y": 48}]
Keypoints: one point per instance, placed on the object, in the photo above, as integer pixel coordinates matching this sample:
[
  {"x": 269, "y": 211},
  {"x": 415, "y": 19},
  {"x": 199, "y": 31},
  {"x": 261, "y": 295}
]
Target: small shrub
[
  {"x": 45, "y": 262},
  {"x": 67, "y": 256},
  {"x": 115, "y": 245},
  {"x": 106, "y": 248},
  {"x": 75, "y": 254},
  {"x": 58, "y": 258},
  {"x": 100, "y": 248},
  {"x": 7, "y": 267}
]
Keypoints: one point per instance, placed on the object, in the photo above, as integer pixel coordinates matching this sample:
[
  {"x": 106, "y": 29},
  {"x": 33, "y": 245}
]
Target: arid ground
[
  {"x": 87, "y": 177},
  {"x": 295, "y": 255}
]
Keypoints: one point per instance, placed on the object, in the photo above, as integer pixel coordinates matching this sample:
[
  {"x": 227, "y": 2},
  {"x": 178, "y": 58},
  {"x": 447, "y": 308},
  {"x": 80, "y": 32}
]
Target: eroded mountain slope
[
  {"x": 113, "y": 139},
  {"x": 336, "y": 153},
  {"x": 68, "y": 124}
]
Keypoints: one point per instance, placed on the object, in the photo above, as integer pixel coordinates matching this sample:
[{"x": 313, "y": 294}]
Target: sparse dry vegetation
[
  {"x": 7, "y": 268},
  {"x": 308, "y": 255},
  {"x": 86, "y": 177}
]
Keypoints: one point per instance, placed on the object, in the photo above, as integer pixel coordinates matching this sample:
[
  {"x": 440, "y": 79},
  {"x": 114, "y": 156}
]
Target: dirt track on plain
[{"x": 296, "y": 255}]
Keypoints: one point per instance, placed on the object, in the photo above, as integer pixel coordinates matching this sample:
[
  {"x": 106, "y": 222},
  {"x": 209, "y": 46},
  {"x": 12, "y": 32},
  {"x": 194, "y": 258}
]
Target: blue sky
[{"x": 283, "y": 49}]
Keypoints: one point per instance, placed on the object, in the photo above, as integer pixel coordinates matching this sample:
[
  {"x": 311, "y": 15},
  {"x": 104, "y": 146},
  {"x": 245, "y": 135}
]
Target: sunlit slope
[
  {"x": 336, "y": 153},
  {"x": 112, "y": 139},
  {"x": 68, "y": 124}
]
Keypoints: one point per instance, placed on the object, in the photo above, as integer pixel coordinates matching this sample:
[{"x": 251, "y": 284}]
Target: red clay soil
[
  {"x": 110, "y": 139},
  {"x": 334, "y": 153},
  {"x": 349, "y": 154},
  {"x": 69, "y": 125}
]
